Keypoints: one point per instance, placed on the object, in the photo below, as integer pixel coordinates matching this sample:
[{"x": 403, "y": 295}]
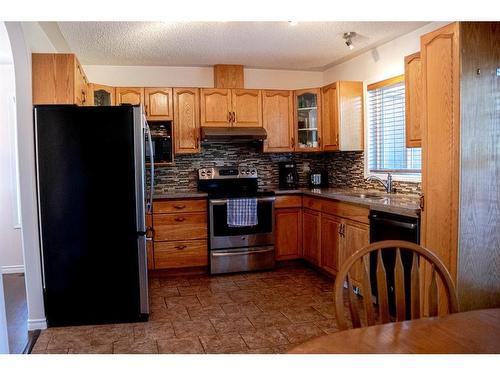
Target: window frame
[{"x": 403, "y": 177}]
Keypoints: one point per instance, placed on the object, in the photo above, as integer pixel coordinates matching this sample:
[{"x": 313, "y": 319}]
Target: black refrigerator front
[{"x": 90, "y": 175}]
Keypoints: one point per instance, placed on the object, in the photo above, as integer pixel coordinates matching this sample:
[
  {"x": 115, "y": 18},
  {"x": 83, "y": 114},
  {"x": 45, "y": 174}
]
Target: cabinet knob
[
  {"x": 180, "y": 247},
  {"x": 180, "y": 206},
  {"x": 180, "y": 218}
]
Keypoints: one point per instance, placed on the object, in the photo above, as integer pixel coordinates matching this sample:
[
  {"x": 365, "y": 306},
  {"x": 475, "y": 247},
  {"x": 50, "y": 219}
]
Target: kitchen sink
[{"x": 367, "y": 195}]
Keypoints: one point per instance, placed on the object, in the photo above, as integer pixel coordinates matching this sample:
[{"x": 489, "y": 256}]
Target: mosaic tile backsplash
[{"x": 345, "y": 169}]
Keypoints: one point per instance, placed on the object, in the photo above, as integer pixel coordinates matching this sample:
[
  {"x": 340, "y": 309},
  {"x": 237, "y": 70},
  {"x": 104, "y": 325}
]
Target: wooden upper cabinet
[
  {"x": 129, "y": 95},
  {"x": 215, "y": 107},
  {"x": 440, "y": 56},
  {"x": 158, "y": 103},
  {"x": 228, "y": 76},
  {"x": 330, "y": 124},
  {"x": 277, "y": 119},
  {"x": 307, "y": 108},
  {"x": 246, "y": 107},
  {"x": 58, "y": 78},
  {"x": 186, "y": 120},
  {"x": 343, "y": 123},
  {"x": 81, "y": 86},
  {"x": 413, "y": 96},
  {"x": 101, "y": 95}
]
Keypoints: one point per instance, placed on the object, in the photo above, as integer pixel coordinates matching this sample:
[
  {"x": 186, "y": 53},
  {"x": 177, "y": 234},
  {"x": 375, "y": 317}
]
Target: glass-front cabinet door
[
  {"x": 102, "y": 95},
  {"x": 308, "y": 119}
]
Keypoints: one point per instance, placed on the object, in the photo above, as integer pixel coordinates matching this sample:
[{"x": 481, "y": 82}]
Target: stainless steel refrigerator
[{"x": 90, "y": 164}]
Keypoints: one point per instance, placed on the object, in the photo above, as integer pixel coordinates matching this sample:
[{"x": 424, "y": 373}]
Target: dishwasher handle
[{"x": 394, "y": 223}]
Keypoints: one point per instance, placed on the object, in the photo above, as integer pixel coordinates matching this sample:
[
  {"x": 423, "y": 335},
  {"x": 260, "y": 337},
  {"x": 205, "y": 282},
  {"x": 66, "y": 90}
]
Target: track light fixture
[{"x": 348, "y": 39}]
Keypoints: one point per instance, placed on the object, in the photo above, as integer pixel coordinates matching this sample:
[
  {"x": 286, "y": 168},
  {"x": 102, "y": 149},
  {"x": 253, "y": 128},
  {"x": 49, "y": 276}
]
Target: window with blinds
[{"x": 386, "y": 130}]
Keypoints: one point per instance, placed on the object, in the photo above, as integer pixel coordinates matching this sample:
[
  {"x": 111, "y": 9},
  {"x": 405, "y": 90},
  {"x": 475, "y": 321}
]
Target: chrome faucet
[{"x": 387, "y": 185}]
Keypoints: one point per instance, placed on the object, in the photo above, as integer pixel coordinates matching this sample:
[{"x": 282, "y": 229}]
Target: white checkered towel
[{"x": 242, "y": 212}]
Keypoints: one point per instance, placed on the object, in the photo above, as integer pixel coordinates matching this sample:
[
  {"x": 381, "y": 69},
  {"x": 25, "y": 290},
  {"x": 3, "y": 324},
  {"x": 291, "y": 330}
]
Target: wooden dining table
[{"x": 475, "y": 331}]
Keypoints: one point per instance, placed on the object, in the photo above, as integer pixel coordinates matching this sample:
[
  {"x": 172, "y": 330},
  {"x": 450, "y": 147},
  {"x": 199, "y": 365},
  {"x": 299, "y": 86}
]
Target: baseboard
[
  {"x": 12, "y": 269},
  {"x": 34, "y": 324}
]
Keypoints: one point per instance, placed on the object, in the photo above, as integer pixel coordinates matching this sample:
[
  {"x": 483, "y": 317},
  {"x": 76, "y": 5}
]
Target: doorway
[{"x": 13, "y": 300}]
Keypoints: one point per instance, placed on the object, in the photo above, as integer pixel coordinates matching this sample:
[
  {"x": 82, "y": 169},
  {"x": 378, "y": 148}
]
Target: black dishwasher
[{"x": 387, "y": 226}]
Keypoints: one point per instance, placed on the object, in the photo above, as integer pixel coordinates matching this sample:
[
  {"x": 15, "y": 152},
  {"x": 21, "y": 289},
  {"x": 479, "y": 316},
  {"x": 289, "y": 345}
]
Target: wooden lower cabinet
[
  {"x": 177, "y": 254},
  {"x": 288, "y": 240},
  {"x": 149, "y": 243},
  {"x": 332, "y": 231},
  {"x": 311, "y": 236},
  {"x": 355, "y": 236},
  {"x": 330, "y": 243},
  {"x": 180, "y": 233},
  {"x": 176, "y": 227}
]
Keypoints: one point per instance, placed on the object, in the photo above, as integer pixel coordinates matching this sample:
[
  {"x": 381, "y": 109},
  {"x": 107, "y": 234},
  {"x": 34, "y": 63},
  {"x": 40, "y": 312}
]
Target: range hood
[{"x": 232, "y": 135}]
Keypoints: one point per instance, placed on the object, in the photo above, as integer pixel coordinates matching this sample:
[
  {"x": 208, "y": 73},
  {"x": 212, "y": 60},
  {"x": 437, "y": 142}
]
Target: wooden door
[
  {"x": 307, "y": 119},
  {"x": 440, "y": 143},
  {"x": 101, "y": 95},
  {"x": 330, "y": 242},
  {"x": 330, "y": 124},
  {"x": 247, "y": 107},
  {"x": 158, "y": 103},
  {"x": 288, "y": 240},
  {"x": 413, "y": 96},
  {"x": 277, "y": 119},
  {"x": 311, "y": 236},
  {"x": 186, "y": 121},
  {"x": 355, "y": 236},
  {"x": 81, "y": 85},
  {"x": 215, "y": 107},
  {"x": 129, "y": 95}
]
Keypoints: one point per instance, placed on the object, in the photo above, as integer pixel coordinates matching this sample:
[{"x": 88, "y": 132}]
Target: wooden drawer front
[
  {"x": 346, "y": 210},
  {"x": 182, "y": 226},
  {"x": 288, "y": 201},
  {"x": 178, "y": 205},
  {"x": 312, "y": 203},
  {"x": 181, "y": 254}
]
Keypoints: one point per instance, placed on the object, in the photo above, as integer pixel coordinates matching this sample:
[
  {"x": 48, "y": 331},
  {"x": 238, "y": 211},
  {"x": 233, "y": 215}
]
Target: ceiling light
[
  {"x": 348, "y": 39},
  {"x": 293, "y": 23}
]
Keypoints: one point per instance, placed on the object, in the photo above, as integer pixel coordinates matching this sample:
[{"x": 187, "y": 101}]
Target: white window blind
[{"x": 386, "y": 133}]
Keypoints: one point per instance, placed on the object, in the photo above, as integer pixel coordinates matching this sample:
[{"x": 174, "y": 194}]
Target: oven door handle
[
  {"x": 234, "y": 253},
  {"x": 216, "y": 202}
]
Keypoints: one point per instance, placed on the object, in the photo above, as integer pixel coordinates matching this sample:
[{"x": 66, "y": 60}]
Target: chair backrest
[{"x": 358, "y": 265}]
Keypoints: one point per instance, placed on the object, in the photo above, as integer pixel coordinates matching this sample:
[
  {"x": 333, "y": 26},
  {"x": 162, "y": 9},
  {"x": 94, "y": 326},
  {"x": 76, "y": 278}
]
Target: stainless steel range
[{"x": 233, "y": 194}]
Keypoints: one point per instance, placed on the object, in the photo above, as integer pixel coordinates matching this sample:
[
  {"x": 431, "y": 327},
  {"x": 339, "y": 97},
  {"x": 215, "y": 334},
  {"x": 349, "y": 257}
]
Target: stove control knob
[
  {"x": 253, "y": 171},
  {"x": 209, "y": 171},
  {"x": 202, "y": 173}
]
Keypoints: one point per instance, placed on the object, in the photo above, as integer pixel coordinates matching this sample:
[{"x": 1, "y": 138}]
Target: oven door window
[{"x": 221, "y": 229}]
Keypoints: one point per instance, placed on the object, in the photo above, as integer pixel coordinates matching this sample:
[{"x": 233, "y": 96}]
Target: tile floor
[{"x": 261, "y": 312}]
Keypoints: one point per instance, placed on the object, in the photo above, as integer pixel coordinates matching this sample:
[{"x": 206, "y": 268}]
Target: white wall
[
  {"x": 11, "y": 254},
  {"x": 21, "y": 52},
  {"x": 380, "y": 63},
  {"x": 168, "y": 76}
]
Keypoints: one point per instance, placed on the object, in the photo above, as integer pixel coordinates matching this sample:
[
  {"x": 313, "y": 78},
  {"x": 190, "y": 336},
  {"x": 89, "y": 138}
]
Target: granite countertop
[{"x": 402, "y": 204}]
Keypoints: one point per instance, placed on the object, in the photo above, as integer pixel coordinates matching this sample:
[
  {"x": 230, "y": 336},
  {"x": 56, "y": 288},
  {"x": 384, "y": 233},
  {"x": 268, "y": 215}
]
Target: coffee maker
[{"x": 288, "y": 177}]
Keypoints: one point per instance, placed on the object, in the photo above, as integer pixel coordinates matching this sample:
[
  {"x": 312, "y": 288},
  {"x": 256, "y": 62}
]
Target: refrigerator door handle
[{"x": 149, "y": 205}]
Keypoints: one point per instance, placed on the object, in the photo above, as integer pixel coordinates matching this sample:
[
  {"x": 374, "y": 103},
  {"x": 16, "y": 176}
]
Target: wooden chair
[{"x": 361, "y": 260}]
